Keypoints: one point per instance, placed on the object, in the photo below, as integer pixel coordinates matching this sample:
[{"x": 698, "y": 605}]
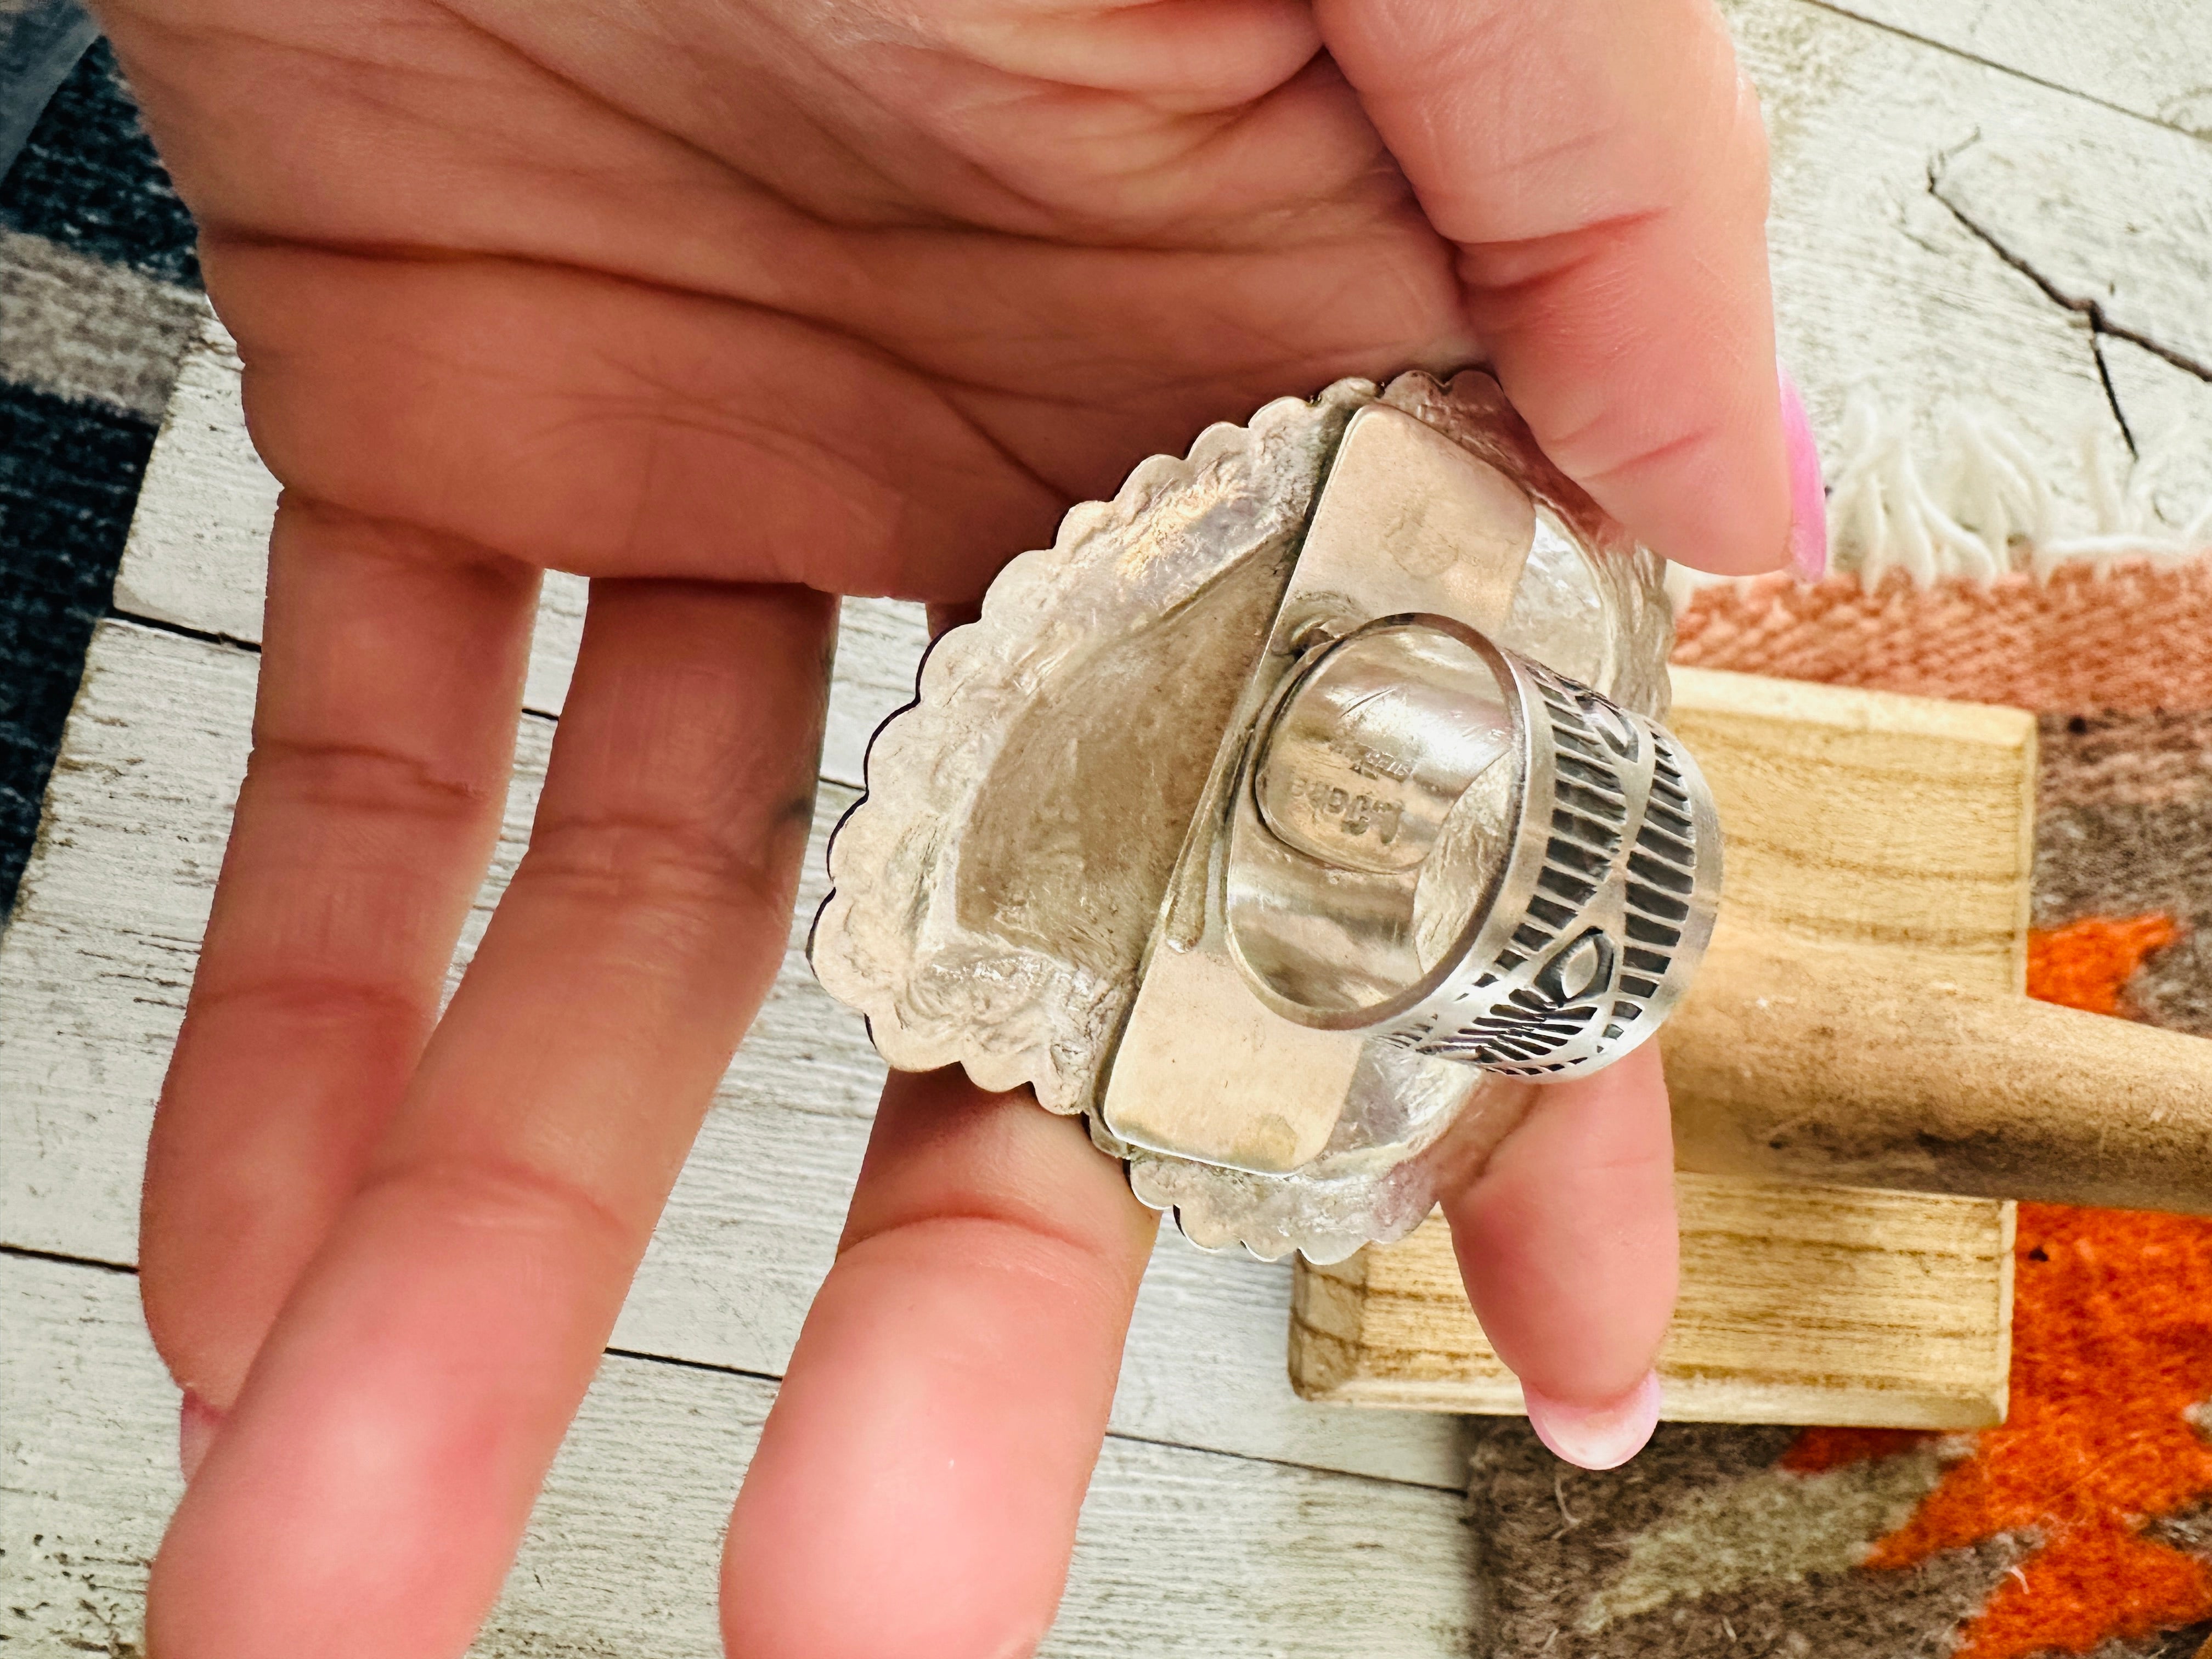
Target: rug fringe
[{"x": 1987, "y": 509}]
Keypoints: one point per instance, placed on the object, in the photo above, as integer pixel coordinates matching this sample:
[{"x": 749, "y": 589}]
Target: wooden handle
[{"x": 1836, "y": 1063}]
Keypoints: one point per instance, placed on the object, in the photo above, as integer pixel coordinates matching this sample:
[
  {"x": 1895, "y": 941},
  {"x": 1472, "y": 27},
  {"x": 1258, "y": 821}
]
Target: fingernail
[
  {"x": 1597, "y": 1437},
  {"x": 1808, "y": 501},
  {"x": 198, "y": 1424}
]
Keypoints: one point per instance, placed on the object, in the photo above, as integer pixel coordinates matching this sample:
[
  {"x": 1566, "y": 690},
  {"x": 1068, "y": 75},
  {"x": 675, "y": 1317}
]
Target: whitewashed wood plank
[
  {"x": 199, "y": 536},
  {"x": 2153, "y": 58},
  {"x": 94, "y": 972},
  {"x": 1179, "y": 1553},
  {"x": 1287, "y": 1564},
  {"x": 553, "y": 641},
  {"x": 198, "y": 558},
  {"x": 1877, "y": 286},
  {"x": 879, "y": 646},
  {"x": 2105, "y": 214},
  {"x": 88, "y": 1459},
  {"x": 2169, "y": 412}
]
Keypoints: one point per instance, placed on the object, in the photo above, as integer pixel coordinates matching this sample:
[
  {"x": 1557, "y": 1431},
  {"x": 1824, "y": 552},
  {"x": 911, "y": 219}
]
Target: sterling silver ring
[{"x": 1288, "y": 812}]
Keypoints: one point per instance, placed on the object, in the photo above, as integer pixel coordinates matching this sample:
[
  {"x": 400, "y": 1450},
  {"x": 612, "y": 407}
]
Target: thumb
[{"x": 1601, "y": 165}]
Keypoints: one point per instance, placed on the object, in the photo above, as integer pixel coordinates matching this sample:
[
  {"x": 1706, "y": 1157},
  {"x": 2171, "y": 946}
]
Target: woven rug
[
  {"x": 2083, "y": 1525},
  {"x": 99, "y": 296}
]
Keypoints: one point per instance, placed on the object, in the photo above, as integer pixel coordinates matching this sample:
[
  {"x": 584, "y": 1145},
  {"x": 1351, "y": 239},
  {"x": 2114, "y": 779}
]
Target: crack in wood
[
  {"x": 2092, "y": 311},
  {"x": 184, "y": 630},
  {"x": 775, "y": 1380},
  {"x": 25, "y": 1252},
  {"x": 2113, "y": 394}
]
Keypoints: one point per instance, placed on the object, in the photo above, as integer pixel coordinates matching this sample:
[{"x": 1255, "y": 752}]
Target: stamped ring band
[{"x": 1446, "y": 845}]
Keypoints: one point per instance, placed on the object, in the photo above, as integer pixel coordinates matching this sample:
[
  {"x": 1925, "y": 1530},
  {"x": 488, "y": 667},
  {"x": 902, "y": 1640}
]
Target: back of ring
[{"x": 1289, "y": 806}]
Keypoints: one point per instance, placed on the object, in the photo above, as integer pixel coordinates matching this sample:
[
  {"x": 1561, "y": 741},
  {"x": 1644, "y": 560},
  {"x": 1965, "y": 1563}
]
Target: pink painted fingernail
[
  {"x": 1597, "y": 1437},
  {"x": 1808, "y": 501},
  {"x": 198, "y": 1424}
]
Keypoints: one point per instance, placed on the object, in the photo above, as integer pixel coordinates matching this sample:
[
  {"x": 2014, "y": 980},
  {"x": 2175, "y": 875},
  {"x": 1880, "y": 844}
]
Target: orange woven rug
[{"x": 2083, "y": 1525}]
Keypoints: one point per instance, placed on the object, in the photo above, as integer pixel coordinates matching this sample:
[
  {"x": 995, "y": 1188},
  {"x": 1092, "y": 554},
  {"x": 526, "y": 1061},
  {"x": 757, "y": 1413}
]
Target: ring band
[{"x": 1450, "y": 847}]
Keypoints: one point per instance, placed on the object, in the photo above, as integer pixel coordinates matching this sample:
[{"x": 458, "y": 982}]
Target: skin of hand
[{"x": 733, "y": 305}]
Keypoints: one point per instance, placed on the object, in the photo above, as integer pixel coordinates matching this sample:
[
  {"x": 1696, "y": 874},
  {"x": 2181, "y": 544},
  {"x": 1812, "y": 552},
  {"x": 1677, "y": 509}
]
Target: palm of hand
[
  {"x": 730, "y": 308},
  {"x": 858, "y": 302}
]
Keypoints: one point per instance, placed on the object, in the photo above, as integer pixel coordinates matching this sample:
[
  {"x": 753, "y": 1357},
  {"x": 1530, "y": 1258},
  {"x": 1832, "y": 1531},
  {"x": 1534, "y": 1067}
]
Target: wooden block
[
  {"x": 1867, "y": 818},
  {"x": 1799, "y": 1304}
]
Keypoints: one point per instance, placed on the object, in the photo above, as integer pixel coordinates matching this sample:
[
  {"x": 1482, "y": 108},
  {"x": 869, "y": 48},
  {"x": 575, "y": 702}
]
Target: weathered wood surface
[
  {"x": 1179, "y": 1553},
  {"x": 1799, "y": 1304},
  {"x": 94, "y": 972},
  {"x": 2169, "y": 417},
  {"x": 2150, "y": 58},
  {"x": 1880, "y": 286},
  {"x": 2118, "y": 225}
]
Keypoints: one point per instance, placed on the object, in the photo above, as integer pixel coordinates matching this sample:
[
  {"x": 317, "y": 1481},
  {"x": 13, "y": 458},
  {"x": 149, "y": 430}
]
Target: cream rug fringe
[{"x": 1987, "y": 509}]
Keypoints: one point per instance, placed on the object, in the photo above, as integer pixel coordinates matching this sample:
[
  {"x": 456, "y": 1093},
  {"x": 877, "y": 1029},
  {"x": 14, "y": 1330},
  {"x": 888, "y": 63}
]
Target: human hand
[{"x": 732, "y": 306}]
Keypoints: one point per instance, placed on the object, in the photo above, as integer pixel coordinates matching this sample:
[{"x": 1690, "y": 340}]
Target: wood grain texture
[
  {"x": 1879, "y": 289},
  {"x": 2150, "y": 58},
  {"x": 1860, "y": 1017},
  {"x": 88, "y": 1459},
  {"x": 1799, "y": 1304},
  {"x": 2168, "y": 411},
  {"x": 1865, "y": 817},
  {"x": 94, "y": 972},
  {"x": 2116, "y": 224},
  {"x": 1837, "y": 1064},
  {"x": 199, "y": 538},
  {"x": 1179, "y": 1553}
]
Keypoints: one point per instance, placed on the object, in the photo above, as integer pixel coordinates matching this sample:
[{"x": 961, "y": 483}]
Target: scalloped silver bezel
[{"x": 938, "y": 990}]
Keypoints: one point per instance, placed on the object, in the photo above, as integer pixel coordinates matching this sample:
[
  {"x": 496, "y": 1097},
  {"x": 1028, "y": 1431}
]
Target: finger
[
  {"x": 366, "y": 1493},
  {"x": 1601, "y": 166},
  {"x": 1567, "y": 1245},
  {"x": 916, "y": 1491},
  {"x": 391, "y": 679}
]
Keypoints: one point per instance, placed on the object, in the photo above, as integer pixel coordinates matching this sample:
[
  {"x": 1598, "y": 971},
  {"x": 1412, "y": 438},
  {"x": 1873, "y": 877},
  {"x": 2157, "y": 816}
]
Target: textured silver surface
[
  {"x": 1204, "y": 1069},
  {"x": 1580, "y": 932},
  {"x": 994, "y": 892}
]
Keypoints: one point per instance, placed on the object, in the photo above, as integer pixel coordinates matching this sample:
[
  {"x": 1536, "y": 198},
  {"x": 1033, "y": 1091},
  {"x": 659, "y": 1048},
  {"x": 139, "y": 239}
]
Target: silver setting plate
[{"x": 1198, "y": 829}]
